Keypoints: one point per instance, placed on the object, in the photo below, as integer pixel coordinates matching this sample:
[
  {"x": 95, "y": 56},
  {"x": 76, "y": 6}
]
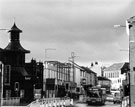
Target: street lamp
[
  {"x": 47, "y": 49},
  {"x": 130, "y": 31},
  {"x": 45, "y": 64},
  {"x": 130, "y": 28}
]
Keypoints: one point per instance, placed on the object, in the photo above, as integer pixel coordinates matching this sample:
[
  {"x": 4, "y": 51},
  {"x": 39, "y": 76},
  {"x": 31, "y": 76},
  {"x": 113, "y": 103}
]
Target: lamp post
[
  {"x": 45, "y": 64},
  {"x": 130, "y": 29},
  {"x": 131, "y": 32},
  {"x": 46, "y": 50}
]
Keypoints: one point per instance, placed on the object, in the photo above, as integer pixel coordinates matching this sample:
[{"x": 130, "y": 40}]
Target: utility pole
[
  {"x": 46, "y": 50},
  {"x": 130, "y": 29},
  {"x": 73, "y": 57},
  {"x": 131, "y": 32}
]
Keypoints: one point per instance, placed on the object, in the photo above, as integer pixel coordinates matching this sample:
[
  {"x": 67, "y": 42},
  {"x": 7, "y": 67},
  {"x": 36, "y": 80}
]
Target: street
[{"x": 108, "y": 104}]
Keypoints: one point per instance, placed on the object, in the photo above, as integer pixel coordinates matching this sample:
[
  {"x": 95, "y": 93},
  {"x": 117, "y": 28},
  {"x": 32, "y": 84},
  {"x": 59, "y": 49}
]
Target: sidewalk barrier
[{"x": 52, "y": 102}]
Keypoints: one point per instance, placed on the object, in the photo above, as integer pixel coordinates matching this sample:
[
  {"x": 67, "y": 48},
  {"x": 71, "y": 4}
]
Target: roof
[
  {"x": 16, "y": 47},
  {"x": 88, "y": 70},
  {"x": 103, "y": 78},
  {"x": 15, "y": 28},
  {"x": 115, "y": 66},
  {"x": 125, "y": 68}
]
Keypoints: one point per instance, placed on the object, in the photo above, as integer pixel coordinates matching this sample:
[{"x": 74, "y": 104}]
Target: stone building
[
  {"x": 56, "y": 78},
  {"x": 17, "y": 81}
]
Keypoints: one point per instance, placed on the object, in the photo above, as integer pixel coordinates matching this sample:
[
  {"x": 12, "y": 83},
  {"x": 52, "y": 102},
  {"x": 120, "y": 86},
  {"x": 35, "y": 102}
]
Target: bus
[{"x": 96, "y": 95}]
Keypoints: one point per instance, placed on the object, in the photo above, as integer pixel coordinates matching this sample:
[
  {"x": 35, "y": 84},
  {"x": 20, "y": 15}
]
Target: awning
[
  {"x": 50, "y": 81},
  {"x": 20, "y": 70}
]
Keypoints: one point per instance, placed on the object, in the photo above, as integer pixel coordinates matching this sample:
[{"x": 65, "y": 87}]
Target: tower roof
[
  {"x": 14, "y": 44},
  {"x": 15, "y": 47},
  {"x": 15, "y": 28}
]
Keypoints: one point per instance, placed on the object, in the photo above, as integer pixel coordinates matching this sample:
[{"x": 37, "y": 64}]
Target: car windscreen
[{"x": 93, "y": 93}]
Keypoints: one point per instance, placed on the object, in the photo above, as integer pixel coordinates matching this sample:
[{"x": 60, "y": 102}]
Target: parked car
[
  {"x": 109, "y": 97},
  {"x": 117, "y": 98}
]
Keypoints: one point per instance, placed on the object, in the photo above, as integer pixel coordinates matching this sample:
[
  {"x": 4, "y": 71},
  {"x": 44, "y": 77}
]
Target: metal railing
[{"x": 10, "y": 101}]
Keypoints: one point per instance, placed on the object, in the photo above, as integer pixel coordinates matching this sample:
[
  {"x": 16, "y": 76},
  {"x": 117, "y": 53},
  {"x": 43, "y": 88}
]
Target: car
[
  {"x": 117, "y": 98},
  {"x": 109, "y": 97}
]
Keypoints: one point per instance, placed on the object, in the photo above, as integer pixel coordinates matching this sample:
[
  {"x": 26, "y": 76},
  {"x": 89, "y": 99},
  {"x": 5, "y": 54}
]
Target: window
[
  {"x": 80, "y": 72},
  {"x": 7, "y": 71},
  {"x": 8, "y": 93}
]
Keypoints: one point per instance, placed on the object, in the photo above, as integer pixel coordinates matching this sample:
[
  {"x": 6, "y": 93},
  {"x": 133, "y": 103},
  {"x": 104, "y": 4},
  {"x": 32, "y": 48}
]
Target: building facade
[
  {"x": 35, "y": 70},
  {"x": 84, "y": 77},
  {"x": 57, "y": 79},
  {"x": 114, "y": 73},
  {"x": 16, "y": 80}
]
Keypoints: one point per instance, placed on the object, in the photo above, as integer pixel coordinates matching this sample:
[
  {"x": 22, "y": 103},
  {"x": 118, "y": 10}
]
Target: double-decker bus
[{"x": 96, "y": 95}]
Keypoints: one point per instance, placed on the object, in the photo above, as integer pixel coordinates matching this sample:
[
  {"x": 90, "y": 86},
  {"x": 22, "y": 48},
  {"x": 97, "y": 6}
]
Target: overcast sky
[{"x": 81, "y": 26}]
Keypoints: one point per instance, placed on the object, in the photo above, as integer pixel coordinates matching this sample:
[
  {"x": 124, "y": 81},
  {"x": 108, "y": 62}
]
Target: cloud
[{"x": 83, "y": 26}]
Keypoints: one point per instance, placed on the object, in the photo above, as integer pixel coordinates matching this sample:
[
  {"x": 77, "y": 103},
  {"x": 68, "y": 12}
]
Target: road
[{"x": 108, "y": 104}]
